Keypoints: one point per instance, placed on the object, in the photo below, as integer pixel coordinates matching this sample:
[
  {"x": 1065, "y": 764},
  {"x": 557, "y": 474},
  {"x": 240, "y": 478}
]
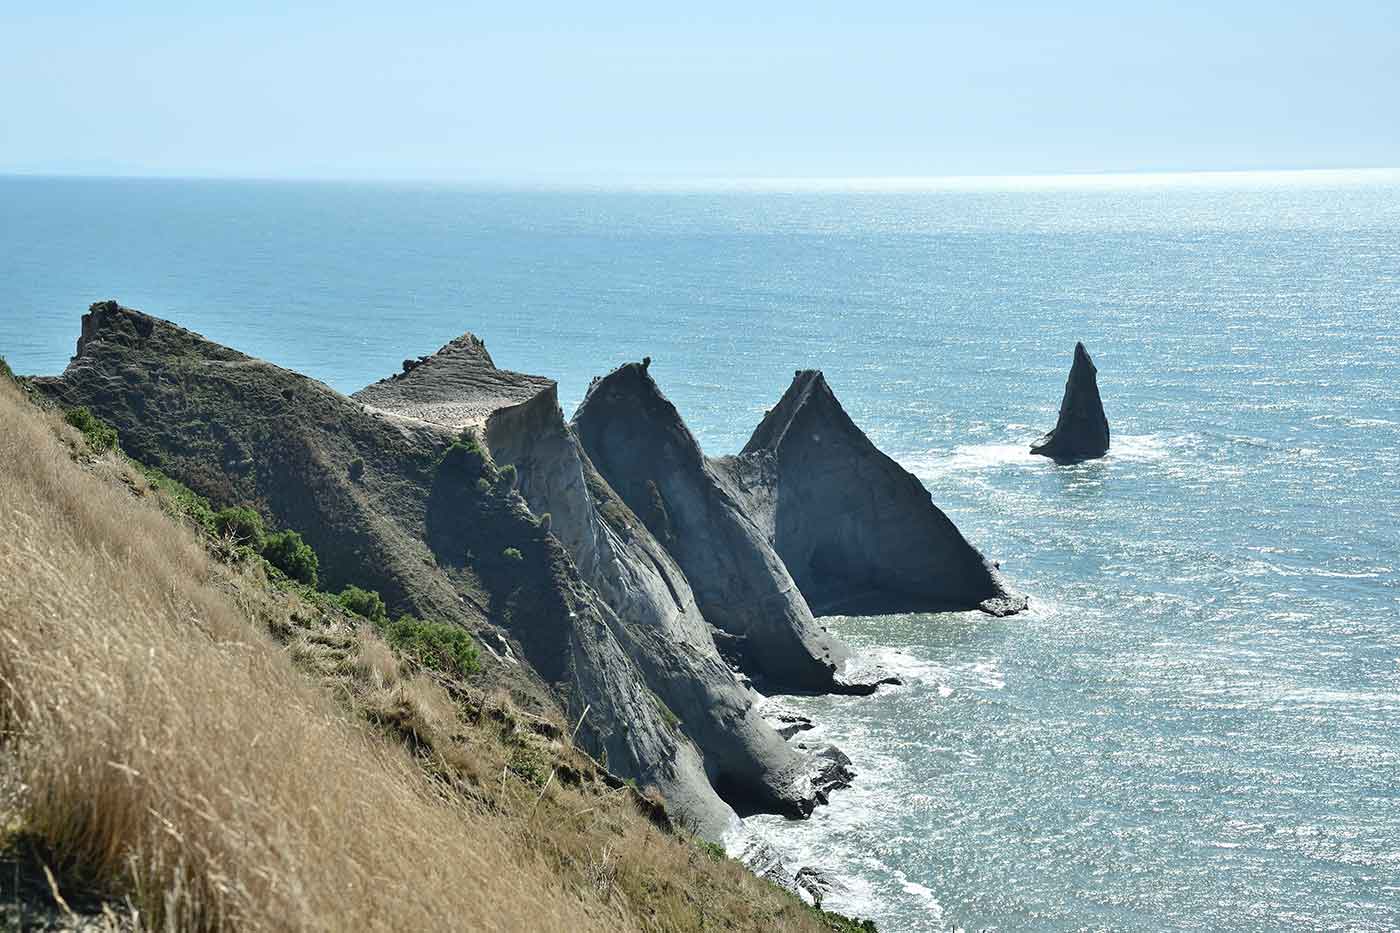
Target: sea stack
[
  {"x": 858, "y": 532},
  {"x": 1081, "y": 433},
  {"x": 639, "y": 443}
]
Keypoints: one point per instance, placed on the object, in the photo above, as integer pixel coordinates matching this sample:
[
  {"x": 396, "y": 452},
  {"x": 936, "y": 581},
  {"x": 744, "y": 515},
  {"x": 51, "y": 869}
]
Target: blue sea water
[{"x": 1197, "y": 726}]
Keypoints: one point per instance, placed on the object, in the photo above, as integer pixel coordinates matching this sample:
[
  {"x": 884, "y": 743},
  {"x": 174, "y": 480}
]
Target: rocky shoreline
[{"x": 619, "y": 577}]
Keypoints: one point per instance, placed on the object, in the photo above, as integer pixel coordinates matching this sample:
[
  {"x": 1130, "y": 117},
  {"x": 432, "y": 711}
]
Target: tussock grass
[
  {"x": 227, "y": 753},
  {"x": 167, "y": 747}
]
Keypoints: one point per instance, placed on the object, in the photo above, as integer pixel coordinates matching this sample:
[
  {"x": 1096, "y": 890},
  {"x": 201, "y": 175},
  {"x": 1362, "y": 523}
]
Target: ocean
[{"x": 1196, "y": 726}]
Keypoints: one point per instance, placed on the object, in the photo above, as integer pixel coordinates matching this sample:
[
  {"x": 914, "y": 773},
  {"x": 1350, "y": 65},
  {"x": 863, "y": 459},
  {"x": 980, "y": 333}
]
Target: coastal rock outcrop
[
  {"x": 702, "y": 515},
  {"x": 858, "y": 532},
  {"x": 658, "y": 621},
  {"x": 1081, "y": 432},
  {"x": 615, "y": 574},
  {"x": 396, "y": 503}
]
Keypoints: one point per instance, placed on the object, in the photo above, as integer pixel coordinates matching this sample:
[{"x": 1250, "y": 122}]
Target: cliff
[
  {"x": 702, "y": 515},
  {"x": 388, "y": 501},
  {"x": 194, "y": 742},
  {"x": 616, "y": 576},
  {"x": 655, "y": 613},
  {"x": 1081, "y": 431},
  {"x": 858, "y": 532}
]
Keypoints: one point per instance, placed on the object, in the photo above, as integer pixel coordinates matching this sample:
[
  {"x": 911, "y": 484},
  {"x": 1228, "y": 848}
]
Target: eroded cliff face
[
  {"x": 1081, "y": 431},
  {"x": 613, "y": 574},
  {"x": 388, "y": 504},
  {"x": 657, "y": 620},
  {"x": 858, "y": 532},
  {"x": 701, "y": 515}
]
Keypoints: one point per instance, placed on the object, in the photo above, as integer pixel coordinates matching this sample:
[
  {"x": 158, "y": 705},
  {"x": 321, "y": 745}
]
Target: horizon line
[{"x": 780, "y": 183}]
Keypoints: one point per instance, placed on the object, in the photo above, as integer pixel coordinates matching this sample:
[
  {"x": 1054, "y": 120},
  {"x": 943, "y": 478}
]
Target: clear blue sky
[{"x": 599, "y": 91}]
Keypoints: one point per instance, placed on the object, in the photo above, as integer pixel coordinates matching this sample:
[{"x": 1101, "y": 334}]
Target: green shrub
[
  {"x": 483, "y": 485},
  {"x": 464, "y": 455},
  {"x": 357, "y": 468},
  {"x": 529, "y": 764},
  {"x": 468, "y": 439},
  {"x": 714, "y": 850},
  {"x": 101, "y": 436},
  {"x": 286, "y": 551},
  {"x": 242, "y": 524},
  {"x": 507, "y": 477},
  {"x": 179, "y": 500},
  {"x": 512, "y": 553},
  {"x": 365, "y": 603},
  {"x": 6, "y": 371},
  {"x": 436, "y": 645},
  {"x": 841, "y": 923}
]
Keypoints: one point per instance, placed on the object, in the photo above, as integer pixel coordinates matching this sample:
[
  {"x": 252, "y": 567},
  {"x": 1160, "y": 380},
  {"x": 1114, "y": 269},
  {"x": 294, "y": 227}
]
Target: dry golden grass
[
  {"x": 168, "y": 750},
  {"x": 164, "y": 743}
]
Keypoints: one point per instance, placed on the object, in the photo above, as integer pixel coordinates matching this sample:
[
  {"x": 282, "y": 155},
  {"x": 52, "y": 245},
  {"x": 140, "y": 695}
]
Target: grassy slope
[{"x": 224, "y": 751}]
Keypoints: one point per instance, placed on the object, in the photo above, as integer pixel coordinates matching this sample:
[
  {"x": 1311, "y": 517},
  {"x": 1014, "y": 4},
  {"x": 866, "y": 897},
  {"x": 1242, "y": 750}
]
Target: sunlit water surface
[{"x": 1198, "y": 724}]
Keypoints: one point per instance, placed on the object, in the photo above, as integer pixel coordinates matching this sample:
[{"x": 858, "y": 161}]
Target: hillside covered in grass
[{"x": 192, "y": 736}]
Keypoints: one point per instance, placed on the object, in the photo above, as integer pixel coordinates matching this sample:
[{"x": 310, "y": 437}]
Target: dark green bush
[
  {"x": 436, "y": 645},
  {"x": 365, "y": 603},
  {"x": 507, "y": 477},
  {"x": 483, "y": 485},
  {"x": 242, "y": 524},
  {"x": 843, "y": 924},
  {"x": 469, "y": 440},
  {"x": 286, "y": 551},
  {"x": 512, "y": 553},
  {"x": 464, "y": 455},
  {"x": 101, "y": 436},
  {"x": 6, "y": 371}
]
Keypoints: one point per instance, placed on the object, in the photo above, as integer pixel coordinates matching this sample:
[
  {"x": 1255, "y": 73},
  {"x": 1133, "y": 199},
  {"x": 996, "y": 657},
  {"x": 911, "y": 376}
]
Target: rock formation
[
  {"x": 423, "y": 522},
  {"x": 658, "y": 620},
  {"x": 1081, "y": 433},
  {"x": 702, "y": 516},
  {"x": 858, "y": 532},
  {"x": 612, "y": 571}
]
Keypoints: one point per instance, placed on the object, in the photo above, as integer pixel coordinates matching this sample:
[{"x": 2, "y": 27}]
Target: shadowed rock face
[
  {"x": 243, "y": 431},
  {"x": 657, "y": 619},
  {"x": 701, "y": 513},
  {"x": 858, "y": 532},
  {"x": 1081, "y": 433}
]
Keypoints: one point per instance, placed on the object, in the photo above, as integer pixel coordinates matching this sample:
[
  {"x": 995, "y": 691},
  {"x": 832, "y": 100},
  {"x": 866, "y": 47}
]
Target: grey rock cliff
[
  {"x": 659, "y": 623},
  {"x": 1081, "y": 432},
  {"x": 701, "y": 514},
  {"x": 858, "y": 532},
  {"x": 387, "y": 504}
]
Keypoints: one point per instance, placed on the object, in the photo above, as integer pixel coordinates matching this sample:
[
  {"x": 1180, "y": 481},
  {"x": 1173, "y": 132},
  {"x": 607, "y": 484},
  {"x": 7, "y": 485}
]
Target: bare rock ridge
[
  {"x": 1081, "y": 433},
  {"x": 416, "y": 522},
  {"x": 858, "y": 532},
  {"x": 701, "y": 514},
  {"x": 458, "y": 386},
  {"x": 657, "y": 619}
]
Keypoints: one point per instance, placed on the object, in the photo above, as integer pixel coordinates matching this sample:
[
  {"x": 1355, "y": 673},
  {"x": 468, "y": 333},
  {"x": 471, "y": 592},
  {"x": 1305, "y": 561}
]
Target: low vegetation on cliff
[{"x": 191, "y": 738}]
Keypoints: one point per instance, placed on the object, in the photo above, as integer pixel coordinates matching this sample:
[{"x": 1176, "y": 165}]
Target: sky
[{"x": 599, "y": 92}]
